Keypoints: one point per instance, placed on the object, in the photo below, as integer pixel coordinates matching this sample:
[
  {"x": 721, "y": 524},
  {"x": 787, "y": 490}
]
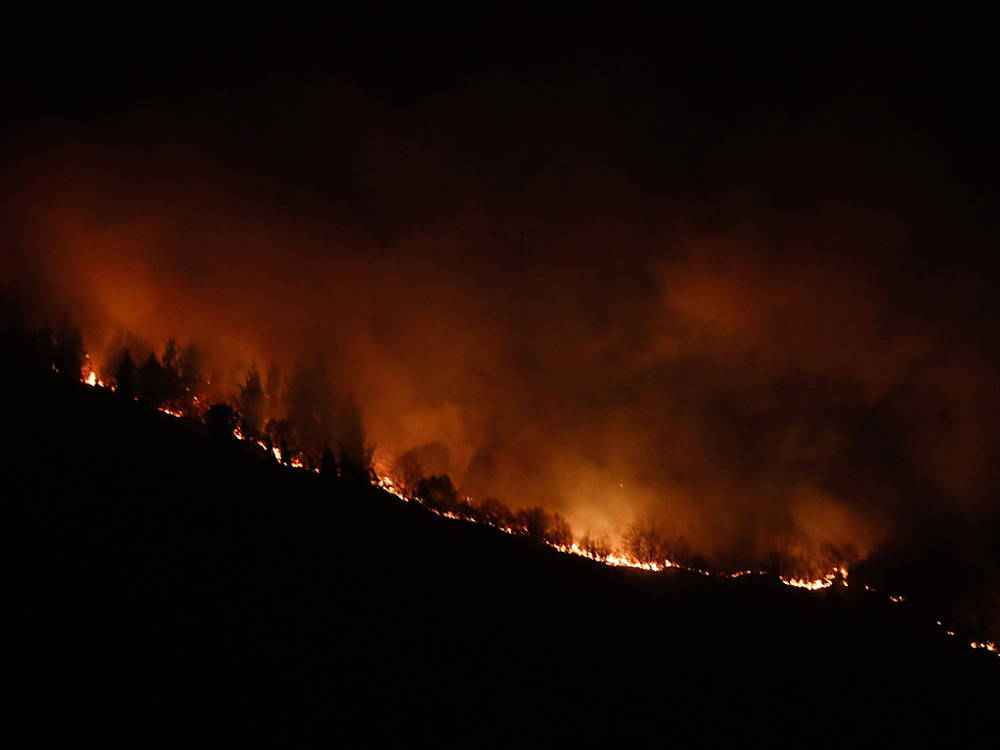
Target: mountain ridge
[{"x": 162, "y": 559}]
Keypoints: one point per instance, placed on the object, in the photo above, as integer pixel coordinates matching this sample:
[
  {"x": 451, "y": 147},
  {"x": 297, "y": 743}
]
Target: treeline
[
  {"x": 301, "y": 418},
  {"x": 644, "y": 541},
  {"x": 173, "y": 381},
  {"x": 303, "y": 421},
  {"x": 306, "y": 420},
  {"x": 439, "y": 494},
  {"x": 49, "y": 347}
]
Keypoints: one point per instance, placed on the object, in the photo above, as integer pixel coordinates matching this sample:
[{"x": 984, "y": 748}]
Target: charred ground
[{"x": 169, "y": 581}]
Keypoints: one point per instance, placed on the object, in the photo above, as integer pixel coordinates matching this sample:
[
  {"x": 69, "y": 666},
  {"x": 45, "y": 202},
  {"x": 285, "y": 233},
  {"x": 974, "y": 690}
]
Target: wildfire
[
  {"x": 837, "y": 575},
  {"x": 615, "y": 559}
]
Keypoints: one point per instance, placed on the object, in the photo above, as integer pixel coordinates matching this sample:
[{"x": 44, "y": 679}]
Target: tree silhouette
[
  {"x": 151, "y": 381},
  {"x": 272, "y": 390},
  {"x": 559, "y": 532},
  {"x": 310, "y": 409},
  {"x": 67, "y": 349},
  {"x": 190, "y": 379},
  {"x": 173, "y": 391},
  {"x": 328, "y": 464},
  {"x": 495, "y": 513},
  {"x": 409, "y": 472},
  {"x": 542, "y": 526},
  {"x": 534, "y": 522},
  {"x": 126, "y": 376},
  {"x": 438, "y": 493},
  {"x": 644, "y": 542},
  {"x": 597, "y": 547},
  {"x": 250, "y": 404},
  {"x": 355, "y": 455}
]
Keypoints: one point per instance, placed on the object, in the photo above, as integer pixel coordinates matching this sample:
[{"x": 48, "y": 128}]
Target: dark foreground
[{"x": 169, "y": 585}]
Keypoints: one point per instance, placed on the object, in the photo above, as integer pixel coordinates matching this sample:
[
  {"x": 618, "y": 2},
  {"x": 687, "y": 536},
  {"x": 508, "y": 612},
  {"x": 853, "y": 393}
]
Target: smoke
[{"x": 755, "y": 348}]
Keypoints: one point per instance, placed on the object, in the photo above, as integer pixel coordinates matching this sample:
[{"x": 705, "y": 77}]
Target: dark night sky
[{"x": 741, "y": 268}]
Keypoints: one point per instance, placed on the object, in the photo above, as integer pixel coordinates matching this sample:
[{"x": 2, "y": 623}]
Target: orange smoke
[{"x": 767, "y": 389}]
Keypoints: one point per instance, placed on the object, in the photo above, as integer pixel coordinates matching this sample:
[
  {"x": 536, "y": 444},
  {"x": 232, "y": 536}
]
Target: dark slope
[{"x": 171, "y": 583}]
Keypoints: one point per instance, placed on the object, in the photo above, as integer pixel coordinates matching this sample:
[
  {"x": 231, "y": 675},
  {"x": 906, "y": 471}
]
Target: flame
[{"x": 824, "y": 582}]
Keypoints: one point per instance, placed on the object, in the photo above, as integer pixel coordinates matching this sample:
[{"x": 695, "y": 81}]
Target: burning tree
[
  {"x": 438, "y": 493},
  {"x": 542, "y": 526},
  {"x": 190, "y": 379},
  {"x": 495, "y": 513},
  {"x": 173, "y": 381},
  {"x": 559, "y": 532},
  {"x": 409, "y": 472},
  {"x": 597, "y": 547},
  {"x": 182, "y": 378},
  {"x": 645, "y": 542},
  {"x": 278, "y": 434}
]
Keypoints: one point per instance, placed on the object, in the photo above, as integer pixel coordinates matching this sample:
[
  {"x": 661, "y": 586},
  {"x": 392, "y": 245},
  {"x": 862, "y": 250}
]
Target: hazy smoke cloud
[{"x": 742, "y": 348}]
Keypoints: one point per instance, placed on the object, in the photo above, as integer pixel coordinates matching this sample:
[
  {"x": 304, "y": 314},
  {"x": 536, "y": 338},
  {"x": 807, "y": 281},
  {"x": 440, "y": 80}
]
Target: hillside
[{"x": 170, "y": 582}]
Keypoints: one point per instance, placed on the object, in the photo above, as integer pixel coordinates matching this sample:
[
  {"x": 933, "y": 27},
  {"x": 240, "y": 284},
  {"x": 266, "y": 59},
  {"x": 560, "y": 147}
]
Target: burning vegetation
[
  {"x": 459, "y": 363},
  {"x": 301, "y": 423}
]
